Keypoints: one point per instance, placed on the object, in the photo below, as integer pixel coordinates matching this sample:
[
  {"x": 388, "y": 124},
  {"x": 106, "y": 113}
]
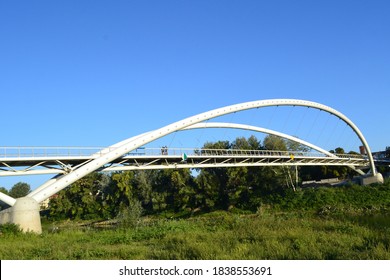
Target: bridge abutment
[
  {"x": 25, "y": 213},
  {"x": 372, "y": 179}
]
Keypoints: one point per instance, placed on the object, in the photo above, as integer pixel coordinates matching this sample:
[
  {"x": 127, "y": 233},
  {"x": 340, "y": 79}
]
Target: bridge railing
[
  {"x": 55, "y": 152},
  {"x": 35, "y": 152},
  {"x": 235, "y": 152}
]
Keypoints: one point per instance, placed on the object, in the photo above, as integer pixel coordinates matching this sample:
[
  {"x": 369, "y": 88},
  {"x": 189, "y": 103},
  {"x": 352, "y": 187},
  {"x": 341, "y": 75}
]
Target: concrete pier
[
  {"x": 25, "y": 213},
  {"x": 372, "y": 179}
]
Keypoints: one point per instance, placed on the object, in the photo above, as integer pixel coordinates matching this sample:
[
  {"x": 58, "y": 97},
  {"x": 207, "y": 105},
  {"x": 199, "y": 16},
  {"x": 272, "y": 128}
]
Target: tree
[
  {"x": 207, "y": 184},
  {"x": 4, "y": 190},
  {"x": 237, "y": 186},
  {"x": 122, "y": 191},
  {"x": 84, "y": 199},
  {"x": 317, "y": 173},
  {"x": 292, "y": 171},
  {"x": 143, "y": 184},
  {"x": 272, "y": 142},
  {"x": 296, "y": 146},
  {"x": 254, "y": 143},
  {"x": 340, "y": 172},
  {"x": 241, "y": 143},
  {"x": 182, "y": 190},
  {"x": 215, "y": 180},
  {"x": 240, "y": 184},
  {"x": 19, "y": 190}
]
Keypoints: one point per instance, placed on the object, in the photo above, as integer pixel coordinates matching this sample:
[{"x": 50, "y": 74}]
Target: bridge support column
[
  {"x": 24, "y": 213},
  {"x": 372, "y": 179}
]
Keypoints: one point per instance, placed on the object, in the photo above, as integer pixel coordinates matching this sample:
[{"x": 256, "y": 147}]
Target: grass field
[{"x": 268, "y": 234}]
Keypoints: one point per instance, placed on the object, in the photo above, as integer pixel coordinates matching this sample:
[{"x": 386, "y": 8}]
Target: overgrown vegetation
[
  {"x": 327, "y": 223},
  {"x": 217, "y": 235}
]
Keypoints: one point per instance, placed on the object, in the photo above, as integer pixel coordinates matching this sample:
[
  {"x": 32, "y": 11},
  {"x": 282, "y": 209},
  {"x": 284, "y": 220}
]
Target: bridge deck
[{"x": 28, "y": 160}]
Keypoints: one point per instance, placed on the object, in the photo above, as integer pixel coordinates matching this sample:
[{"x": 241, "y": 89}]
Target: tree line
[
  {"x": 18, "y": 190},
  {"x": 105, "y": 195}
]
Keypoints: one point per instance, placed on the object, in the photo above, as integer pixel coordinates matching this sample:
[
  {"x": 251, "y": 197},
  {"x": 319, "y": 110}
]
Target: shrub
[
  {"x": 129, "y": 217},
  {"x": 9, "y": 228}
]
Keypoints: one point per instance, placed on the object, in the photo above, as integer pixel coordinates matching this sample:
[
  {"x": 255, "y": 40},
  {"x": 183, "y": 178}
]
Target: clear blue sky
[{"x": 92, "y": 73}]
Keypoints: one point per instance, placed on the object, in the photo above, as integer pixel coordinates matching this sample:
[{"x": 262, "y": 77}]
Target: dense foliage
[{"x": 18, "y": 190}]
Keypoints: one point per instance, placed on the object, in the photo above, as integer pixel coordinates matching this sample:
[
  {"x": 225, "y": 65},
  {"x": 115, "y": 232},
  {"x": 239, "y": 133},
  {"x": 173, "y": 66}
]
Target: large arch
[{"x": 125, "y": 147}]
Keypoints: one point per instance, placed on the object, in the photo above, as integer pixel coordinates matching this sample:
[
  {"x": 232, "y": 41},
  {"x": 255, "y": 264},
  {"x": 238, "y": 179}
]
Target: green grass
[
  {"x": 351, "y": 222},
  {"x": 219, "y": 235}
]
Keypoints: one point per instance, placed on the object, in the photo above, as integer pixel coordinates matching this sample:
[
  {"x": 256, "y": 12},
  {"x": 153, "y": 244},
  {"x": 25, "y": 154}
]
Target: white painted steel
[
  {"x": 125, "y": 147},
  {"x": 31, "y": 172},
  {"x": 46, "y": 184},
  {"x": 7, "y": 199}
]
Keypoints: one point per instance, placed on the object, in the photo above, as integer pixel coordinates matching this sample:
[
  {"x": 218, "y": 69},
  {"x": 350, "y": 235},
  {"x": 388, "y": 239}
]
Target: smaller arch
[{"x": 258, "y": 129}]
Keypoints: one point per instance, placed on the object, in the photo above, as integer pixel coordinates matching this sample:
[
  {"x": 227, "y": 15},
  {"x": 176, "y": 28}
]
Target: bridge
[
  {"x": 63, "y": 160},
  {"x": 69, "y": 164}
]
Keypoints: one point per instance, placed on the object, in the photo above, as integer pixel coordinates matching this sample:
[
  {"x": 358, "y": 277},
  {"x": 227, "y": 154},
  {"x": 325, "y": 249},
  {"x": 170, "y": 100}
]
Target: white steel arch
[
  {"x": 125, "y": 147},
  {"x": 258, "y": 129}
]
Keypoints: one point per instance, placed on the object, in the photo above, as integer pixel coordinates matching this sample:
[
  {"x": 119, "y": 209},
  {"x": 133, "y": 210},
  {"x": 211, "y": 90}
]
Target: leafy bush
[
  {"x": 9, "y": 228},
  {"x": 129, "y": 217}
]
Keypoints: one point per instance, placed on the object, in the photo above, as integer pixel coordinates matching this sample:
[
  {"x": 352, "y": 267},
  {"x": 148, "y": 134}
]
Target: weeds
[
  {"x": 353, "y": 223},
  {"x": 219, "y": 235},
  {"x": 10, "y": 229}
]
